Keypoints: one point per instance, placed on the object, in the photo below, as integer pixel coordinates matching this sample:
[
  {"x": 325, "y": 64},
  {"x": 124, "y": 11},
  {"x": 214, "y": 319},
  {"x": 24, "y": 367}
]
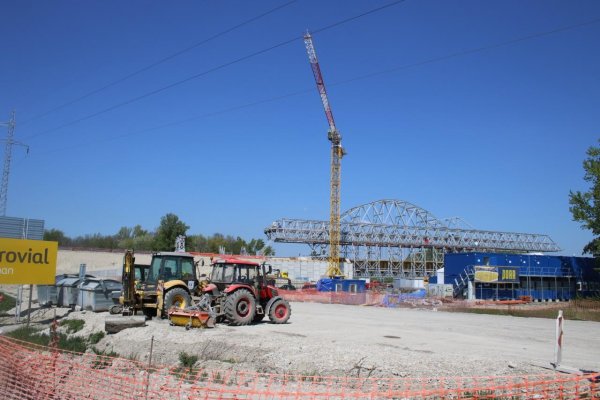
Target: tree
[
  {"x": 585, "y": 207},
  {"x": 170, "y": 227},
  {"x": 55, "y": 235},
  {"x": 134, "y": 238}
]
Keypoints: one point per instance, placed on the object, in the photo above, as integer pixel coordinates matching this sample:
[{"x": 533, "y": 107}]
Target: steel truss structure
[{"x": 394, "y": 238}]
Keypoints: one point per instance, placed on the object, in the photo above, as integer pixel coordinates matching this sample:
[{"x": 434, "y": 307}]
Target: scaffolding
[{"x": 394, "y": 238}]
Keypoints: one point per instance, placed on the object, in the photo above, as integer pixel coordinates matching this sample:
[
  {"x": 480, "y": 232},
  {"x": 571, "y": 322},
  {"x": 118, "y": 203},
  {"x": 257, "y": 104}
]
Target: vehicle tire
[
  {"x": 115, "y": 309},
  {"x": 178, "y": 298},
  {"x": 240, "y": 308},
  {"x": 280, "y": 311}
]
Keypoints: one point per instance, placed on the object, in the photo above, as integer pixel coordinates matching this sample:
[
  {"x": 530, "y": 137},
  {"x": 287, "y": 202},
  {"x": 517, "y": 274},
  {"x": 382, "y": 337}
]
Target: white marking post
[
  {"x": 559, "y": 337},
  {"x": 558, "y": 348}
]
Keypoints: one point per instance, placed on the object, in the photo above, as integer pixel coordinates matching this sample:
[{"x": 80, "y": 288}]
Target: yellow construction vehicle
[{"x": 169, "y": 281}]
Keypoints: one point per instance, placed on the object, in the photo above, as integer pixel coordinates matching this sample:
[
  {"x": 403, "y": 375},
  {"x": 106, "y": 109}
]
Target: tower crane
[{"x": 337, "y": 152}]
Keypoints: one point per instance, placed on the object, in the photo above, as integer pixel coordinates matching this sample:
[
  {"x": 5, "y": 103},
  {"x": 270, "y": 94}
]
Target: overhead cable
[
  {"x": 211, "y": 70},
  {"x": 156, "y": 63}
]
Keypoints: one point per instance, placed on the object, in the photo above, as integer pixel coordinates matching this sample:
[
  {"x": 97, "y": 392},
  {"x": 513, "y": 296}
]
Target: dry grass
[{"x": 576, "y": 310}]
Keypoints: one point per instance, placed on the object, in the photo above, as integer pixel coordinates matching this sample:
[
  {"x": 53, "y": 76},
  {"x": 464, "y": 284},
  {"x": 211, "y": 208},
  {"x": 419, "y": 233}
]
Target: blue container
[{"x": 341, "y": 285}]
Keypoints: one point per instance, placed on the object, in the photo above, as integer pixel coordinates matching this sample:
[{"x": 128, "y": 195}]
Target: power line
[
  {"x": 344, "y": 82},
  {"x": 161, "y": 61},
  {"x": 471, "y": 51},
  {"x": 211, "y": 70}
]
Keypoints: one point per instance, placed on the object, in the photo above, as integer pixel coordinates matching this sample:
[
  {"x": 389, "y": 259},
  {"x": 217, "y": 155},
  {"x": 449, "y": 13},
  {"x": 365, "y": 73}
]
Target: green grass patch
[
  {"x": 29, "y": 334},
  {"x": 72, "y": 325},
  {"x": 8, "y": 302},
  {"x": 95, "y": 337},
  {"x": 76, "y": 344},
  {"x": 32, "y": 335},
  {"x": 102, "y": 361}
]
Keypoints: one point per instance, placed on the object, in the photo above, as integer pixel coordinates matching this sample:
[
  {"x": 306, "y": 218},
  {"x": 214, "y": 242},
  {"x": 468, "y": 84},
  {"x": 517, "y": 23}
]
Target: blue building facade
[{"x": 501, "y": 276}]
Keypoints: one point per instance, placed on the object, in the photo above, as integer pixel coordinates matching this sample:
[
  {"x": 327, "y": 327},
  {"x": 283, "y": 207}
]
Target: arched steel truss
[{"x": 389, "y": 238}]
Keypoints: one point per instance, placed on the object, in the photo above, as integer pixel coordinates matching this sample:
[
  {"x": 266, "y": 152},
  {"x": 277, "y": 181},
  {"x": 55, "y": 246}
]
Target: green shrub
[{"x": 187, "y": 360}]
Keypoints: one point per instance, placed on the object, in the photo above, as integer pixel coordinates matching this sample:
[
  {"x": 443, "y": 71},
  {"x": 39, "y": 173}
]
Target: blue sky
[{"x": 496, "y": 136}]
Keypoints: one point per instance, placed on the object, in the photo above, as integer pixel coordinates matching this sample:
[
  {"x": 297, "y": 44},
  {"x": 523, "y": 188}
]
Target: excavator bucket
[{"x": 191, "y": 318}]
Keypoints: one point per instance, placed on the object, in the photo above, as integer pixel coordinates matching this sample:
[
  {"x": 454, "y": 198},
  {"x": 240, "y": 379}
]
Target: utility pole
[{"x": 7, "y": 158}]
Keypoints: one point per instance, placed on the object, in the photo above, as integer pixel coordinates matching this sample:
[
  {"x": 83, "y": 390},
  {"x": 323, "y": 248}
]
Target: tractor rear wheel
[
  {"x": 178, "y": 298},
  {"x": 240, "y": 307},
  {"x": 280, "y": 311}
]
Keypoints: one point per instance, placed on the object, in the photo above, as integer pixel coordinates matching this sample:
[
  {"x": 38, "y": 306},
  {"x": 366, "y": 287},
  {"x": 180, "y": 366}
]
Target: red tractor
[{"x": 238, "y": 291}]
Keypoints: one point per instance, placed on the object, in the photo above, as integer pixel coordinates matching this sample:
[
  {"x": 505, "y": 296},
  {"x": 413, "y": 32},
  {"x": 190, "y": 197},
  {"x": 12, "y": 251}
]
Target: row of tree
[{"x": 162, "y": 239}]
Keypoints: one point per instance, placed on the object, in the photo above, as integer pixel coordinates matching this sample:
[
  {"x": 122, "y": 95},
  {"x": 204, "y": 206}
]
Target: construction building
[{"x": 498, "y": 276}]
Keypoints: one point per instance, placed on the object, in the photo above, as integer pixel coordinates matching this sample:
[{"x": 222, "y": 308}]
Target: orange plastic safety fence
[
  {"x": 314, "y": 296},
  {"x": 35, "y": 372}
]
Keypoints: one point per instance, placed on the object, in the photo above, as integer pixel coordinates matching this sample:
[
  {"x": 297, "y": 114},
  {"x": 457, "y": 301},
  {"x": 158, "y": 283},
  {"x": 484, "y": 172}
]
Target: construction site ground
[{"x": 334, "y": 339}]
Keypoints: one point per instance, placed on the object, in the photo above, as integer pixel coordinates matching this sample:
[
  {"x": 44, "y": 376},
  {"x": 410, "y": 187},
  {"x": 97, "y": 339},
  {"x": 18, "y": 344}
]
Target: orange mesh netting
[{"x": 29, "y": 371}]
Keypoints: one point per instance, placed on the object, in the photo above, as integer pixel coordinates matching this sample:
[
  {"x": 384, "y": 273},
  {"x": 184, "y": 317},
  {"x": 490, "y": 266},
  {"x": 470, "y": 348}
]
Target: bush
[{"x": 187, "y": 360}]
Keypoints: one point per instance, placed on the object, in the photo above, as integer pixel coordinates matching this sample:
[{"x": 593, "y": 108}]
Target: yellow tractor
[{"x": 169, "y": 281}]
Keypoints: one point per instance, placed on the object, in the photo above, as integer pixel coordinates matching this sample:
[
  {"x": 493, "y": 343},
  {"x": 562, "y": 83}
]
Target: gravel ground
[{"x": 332, "y": 339}]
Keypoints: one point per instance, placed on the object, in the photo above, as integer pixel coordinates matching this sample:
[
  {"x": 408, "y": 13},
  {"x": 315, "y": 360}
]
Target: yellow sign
[
  {"x": 486, "y": 274},
  {"x": 27, "y": 261}
]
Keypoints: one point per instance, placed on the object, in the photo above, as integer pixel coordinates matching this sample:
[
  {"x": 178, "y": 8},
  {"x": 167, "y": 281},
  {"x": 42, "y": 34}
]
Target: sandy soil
[{"x": 332, "y": 339}]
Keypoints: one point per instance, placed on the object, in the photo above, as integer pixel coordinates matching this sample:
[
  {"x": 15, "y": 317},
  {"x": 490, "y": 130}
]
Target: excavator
[{"x": 168, "y": 282}]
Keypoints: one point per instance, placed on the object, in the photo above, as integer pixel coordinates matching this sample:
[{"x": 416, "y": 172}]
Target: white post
[
  {"x": 559, "y": 338},
  {"x": 18, "y": 304}
]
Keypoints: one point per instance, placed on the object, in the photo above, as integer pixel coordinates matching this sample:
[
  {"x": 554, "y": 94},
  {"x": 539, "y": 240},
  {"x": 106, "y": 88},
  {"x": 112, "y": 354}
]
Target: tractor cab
[{"x": 227, "y": 272}]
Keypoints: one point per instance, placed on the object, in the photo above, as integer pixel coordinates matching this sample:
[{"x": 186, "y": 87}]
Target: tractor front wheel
[
  {"x": 280, "y": 311},
  {"x": 240, "y": 307},
  {"x": 178, "y": 298}
]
